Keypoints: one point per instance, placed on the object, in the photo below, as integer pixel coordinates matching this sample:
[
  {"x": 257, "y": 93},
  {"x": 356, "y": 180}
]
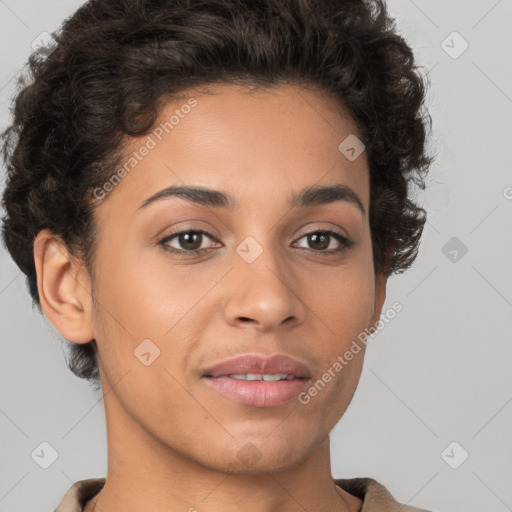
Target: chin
[{"x": 259, "y": 457}]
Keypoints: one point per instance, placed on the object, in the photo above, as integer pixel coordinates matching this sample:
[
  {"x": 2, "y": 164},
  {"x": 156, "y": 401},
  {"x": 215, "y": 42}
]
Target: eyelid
[{"x": 325, "y": 230}]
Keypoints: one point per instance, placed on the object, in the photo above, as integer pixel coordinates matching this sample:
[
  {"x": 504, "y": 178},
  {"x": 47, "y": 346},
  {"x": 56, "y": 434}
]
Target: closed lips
[
  {"x": 258, "y": 380},
  {"x": 258, "y": 367},
  {"x": 261, "y": 376}
]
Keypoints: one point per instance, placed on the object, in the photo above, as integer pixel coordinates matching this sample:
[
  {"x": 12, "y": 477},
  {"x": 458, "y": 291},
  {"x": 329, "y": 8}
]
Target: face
[{"x": 265, "y": 275}]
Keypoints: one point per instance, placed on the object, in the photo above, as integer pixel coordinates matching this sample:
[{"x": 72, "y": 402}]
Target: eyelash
[{"x": 346, "y": 243}]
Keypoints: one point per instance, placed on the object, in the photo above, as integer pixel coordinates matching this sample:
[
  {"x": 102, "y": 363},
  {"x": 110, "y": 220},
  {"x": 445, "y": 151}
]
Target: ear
[
  {"x": 380, "y": 296},
  {"x": 64, "y": 288}
]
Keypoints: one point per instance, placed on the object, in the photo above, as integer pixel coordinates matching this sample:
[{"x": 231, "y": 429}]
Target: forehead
[{"x": 253, "y": 144}]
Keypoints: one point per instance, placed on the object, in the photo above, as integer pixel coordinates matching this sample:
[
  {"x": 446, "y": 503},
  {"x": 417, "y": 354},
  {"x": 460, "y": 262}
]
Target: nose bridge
[
  {"x": 258, "y": 263},
  {"x": 261, "y": 287}
]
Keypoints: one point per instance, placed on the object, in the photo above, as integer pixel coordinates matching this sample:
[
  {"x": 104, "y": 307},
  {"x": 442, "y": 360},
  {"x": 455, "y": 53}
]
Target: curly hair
[{"x": 115, "y": 60}]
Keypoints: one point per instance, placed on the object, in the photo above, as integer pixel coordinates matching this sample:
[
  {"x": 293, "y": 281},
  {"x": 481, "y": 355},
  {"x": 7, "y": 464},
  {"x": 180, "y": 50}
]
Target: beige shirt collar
[{"x": 376, "y": 498}]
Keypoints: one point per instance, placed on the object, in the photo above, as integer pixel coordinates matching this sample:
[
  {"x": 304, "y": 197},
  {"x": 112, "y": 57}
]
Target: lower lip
[{"x": 258, "y": 392}]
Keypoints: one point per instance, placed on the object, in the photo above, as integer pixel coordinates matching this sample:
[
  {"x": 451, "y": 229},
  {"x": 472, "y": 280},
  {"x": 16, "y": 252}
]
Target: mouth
[
  {"x": 267, "y": 377},
  {"x": 258, "y": 380}
]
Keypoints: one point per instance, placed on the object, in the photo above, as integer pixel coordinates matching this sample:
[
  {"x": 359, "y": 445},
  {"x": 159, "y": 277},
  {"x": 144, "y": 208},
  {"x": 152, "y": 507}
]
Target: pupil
[
  {"x": 323, "y": 237},
  {"x": 186, "y": 242}
]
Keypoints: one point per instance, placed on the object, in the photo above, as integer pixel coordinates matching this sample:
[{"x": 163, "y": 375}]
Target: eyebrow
[{"x": 310, "y": 196}]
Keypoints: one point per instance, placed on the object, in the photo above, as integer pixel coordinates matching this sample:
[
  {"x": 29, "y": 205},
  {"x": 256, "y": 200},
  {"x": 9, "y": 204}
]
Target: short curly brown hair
[{"x": 114, "y": 61}]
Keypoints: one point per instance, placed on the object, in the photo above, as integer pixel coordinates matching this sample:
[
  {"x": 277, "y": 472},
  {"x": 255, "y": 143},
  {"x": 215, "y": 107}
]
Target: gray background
[{"x": 438, "y": 373}]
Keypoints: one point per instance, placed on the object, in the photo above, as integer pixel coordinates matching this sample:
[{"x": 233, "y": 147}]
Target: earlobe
[{"x": 64, "y": 288}]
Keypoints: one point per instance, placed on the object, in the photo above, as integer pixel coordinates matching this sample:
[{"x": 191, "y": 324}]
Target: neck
[{"x": 143, "y": 474}]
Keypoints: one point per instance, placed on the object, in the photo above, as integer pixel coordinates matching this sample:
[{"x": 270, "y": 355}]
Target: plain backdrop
[{"x": 436, "y": 386}]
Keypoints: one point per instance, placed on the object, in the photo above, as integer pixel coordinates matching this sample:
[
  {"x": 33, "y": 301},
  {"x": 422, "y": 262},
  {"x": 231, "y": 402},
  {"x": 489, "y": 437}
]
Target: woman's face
[{"x": 267, "y": 278}]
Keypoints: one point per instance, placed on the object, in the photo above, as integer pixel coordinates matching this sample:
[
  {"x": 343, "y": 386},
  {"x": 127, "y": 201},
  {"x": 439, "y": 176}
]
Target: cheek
[
  {"x": 145, "y": 306},
  {"x": 345, "y": 298},
  {"x": 142, "y": 294}
]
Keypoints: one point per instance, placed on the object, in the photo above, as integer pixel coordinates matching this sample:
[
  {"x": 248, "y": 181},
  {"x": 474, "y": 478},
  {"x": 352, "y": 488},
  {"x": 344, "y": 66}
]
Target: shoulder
[
  {"x": 375, "y": 496},
  {"x": 79, "y": 493}
]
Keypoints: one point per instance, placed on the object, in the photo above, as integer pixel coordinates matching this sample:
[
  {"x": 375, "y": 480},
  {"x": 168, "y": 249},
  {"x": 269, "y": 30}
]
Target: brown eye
[
  {"x": 320, "y": 241},
  {"x": 188, "y": 242}
]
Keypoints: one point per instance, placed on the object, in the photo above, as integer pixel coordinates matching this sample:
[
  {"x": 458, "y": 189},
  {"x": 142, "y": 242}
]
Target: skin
[{"x": 173, "y": 442}]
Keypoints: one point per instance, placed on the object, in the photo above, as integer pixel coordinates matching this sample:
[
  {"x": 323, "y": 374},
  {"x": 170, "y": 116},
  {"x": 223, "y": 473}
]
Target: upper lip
[{"x": 251, "y": 363}]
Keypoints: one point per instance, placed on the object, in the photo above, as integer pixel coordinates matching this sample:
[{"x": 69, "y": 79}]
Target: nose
[{"x": 264, "y": 294}]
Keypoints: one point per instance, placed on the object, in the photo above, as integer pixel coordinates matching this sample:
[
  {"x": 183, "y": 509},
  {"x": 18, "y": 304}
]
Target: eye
[
  {"x": 320, "y": 241},
  {"x": 189, "y": 240}
]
